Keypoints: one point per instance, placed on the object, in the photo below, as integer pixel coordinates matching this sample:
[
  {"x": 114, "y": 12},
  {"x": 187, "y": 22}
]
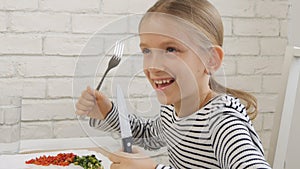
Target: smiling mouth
[{"x": 161, "y": 84}]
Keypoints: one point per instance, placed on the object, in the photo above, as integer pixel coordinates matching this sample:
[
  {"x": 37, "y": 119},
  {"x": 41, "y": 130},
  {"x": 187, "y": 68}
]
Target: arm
[
  {"x": 236, "y": 146},
  {"x": 146, "y": 132},
  {"x": 134, "y": 160}
]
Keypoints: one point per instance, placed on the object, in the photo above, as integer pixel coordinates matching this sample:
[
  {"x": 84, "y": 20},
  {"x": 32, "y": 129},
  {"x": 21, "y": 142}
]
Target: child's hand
[
  {"x": 135, "y": 160},
  {"x": 94, "y": 104}
]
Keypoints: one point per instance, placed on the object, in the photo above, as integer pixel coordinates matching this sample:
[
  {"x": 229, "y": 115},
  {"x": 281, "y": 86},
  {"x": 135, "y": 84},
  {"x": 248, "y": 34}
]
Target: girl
[{"x": 202, "y": 123}]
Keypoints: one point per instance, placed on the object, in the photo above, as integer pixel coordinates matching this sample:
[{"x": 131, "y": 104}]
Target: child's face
[{"x": 174, "y": 70}]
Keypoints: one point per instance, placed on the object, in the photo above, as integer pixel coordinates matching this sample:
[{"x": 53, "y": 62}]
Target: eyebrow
[{"x": 164, "y": 43}]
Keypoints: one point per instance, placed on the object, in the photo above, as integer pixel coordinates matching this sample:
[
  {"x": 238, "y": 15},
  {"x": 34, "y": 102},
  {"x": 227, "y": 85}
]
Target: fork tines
[{"x": 118, "y": 51}]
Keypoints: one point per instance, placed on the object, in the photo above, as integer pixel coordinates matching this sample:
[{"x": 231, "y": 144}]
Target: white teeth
[{"x": 162, "y": 81}]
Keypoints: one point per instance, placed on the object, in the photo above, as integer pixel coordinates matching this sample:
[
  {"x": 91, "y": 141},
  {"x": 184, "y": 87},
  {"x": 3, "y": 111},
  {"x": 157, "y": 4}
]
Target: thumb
[{"x": 90, "y": 91}]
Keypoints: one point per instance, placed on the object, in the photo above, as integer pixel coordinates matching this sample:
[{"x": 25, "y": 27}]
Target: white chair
[{"x": 284, "y": 147}]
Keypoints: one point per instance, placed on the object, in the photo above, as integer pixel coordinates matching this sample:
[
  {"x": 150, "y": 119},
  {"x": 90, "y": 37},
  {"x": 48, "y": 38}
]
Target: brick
[
  {"x": 34, "y": 88},
  {"x": 245, "y": 83},
  {"x": 57, "y": 88},
  {"x": 3, "y": 22},
  {"x": 94, "y": 46},
  {"x": 118, "y": 25},
  {"x": 81, "y": 83},
  {"x": 241, "y": 46},
  {"x": 258, "y": 122},
  {"x": 36, "y": 130},
  {"x": 70, "y": 5},
  {"x": 273, "y": 46},
  {"x": 265, "y": 138},
  {"x": 235, "y": 7},
  {"x": 284, "y": 28},
  {"x": 87, "y": 66},
  {"x": 140, "y": 6},
  {"x": 110, "y": 41},
  {"x": 133, "y": 22},
  {"x": 68, "y": 129},
  {"x": 128, "y": 67},
  {"x": 27, "y": 22},
  {"x": 64, "y": 45},
  {"x": 115, "y": 6},
  {"x": 227, "y": 24},
  {"x": 7, "y": 68},
  {"x": 35, "y": 110},
  {"x": 228, "y": 67},
  {"x": 79, "y": 128},
  {"x": 11, "y": 87},
  {"x": 271, "y": 84},
  {"x": 132, "y": 46},
  {"x": 18, "y": 4},
  {"x": 268, "y": 121},
  {"x": 272, "y": 9},
  {"x": 267, "y": 102},
  {"x": 83, "y": 23},
  {"x": 47, "y": 66},
  {"x": 20, "y": 44},
  {"x": 9, "y": 133},
  {"x": 259, "y": 65},
  {"x": 256, "y": 27}
]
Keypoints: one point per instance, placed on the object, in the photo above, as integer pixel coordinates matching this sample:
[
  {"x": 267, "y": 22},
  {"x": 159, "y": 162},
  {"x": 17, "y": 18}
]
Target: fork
[{"x": 114, "y": 60}]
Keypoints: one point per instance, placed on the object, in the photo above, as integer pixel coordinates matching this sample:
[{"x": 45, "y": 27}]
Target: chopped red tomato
[{"x": 61, "y": 159}]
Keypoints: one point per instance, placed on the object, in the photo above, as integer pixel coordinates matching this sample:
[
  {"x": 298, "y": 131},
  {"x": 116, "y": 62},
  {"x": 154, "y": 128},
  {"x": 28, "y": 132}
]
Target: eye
[
  {"x": 171, "y": 49},
  {"x": 146, "y": 51}
]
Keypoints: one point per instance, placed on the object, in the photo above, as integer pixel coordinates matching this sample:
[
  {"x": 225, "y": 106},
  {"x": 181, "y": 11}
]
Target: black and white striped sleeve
[
  {"x": 233, "y": 146},
  {"x": 110, "y": 123},
  {"x": 146, "y": 132}
]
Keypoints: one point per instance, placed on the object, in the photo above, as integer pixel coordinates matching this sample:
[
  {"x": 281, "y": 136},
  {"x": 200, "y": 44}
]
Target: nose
[{"x": 155, "y": 61}]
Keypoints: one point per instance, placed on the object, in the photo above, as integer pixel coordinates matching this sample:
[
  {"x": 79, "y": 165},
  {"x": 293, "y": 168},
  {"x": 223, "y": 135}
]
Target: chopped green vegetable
[{"x": 88, "y": 162}]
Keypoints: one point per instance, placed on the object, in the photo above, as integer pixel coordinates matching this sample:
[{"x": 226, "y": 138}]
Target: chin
[{"x": 162, "y": 98}]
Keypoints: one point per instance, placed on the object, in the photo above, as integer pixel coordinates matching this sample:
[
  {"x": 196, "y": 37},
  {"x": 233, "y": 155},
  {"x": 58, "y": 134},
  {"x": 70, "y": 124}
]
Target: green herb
[{"x": 88, "y": 162}]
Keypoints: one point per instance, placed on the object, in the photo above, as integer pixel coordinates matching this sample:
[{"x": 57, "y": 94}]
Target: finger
[
  {"x": 83, "y": 107},
  {"x": 114, "y": 165},
  {"x": 114, "y": 157},
  {"x": 87, "y": 95},
  {"x": 99, "y": 95},
  {"x": 88, "y": 103},
  {"x": 80, "y": 112},
  {"x": 91, "y": 91}
]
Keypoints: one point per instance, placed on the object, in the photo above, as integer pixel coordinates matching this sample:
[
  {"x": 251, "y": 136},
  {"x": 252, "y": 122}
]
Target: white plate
[{"x": 18, "y": 161}]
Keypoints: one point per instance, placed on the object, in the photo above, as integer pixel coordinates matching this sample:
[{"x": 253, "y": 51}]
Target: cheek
[{"x": 146, "y": 72}]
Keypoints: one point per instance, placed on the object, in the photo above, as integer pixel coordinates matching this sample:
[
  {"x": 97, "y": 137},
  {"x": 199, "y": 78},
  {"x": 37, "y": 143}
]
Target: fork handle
[{"x": 99, "y": 85}]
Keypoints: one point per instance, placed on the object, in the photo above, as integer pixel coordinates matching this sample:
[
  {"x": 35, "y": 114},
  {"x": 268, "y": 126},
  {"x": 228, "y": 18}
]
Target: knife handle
[{"x": 127, "y": 144}]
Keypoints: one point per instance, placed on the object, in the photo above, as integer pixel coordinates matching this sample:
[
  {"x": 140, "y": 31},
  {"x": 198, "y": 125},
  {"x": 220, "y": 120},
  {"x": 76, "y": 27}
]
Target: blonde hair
[{"x": 205, "y": 17}]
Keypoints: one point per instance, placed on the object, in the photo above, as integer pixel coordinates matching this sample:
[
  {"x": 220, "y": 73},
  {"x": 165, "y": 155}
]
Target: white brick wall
[
  {"x": 40, "y": 22},
  {"x": 41, "y": 39},
  {"x": 20, "y": 44},
  {"x": 27, "y": 5}
]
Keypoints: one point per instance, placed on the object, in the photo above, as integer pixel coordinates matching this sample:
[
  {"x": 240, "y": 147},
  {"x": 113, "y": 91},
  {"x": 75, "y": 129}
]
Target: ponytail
[{"x": 248, "y": 99}]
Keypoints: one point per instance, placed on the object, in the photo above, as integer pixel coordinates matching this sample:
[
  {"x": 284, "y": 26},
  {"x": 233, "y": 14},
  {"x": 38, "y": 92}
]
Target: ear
[{"x": 216, "y": 58}]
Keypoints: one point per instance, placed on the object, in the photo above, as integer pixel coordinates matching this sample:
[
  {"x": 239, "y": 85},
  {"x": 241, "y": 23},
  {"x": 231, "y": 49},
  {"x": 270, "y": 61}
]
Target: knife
[{"x": 124, "y": 121}]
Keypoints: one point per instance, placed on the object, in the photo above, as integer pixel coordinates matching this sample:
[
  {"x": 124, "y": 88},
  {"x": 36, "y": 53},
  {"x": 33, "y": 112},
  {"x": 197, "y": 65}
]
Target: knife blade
[{"x": 124, "y": 121}]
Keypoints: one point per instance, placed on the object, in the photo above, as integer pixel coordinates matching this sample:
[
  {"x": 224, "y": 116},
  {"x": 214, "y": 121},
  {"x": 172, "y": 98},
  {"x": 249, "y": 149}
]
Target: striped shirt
[{"x": 219, "y": 135}]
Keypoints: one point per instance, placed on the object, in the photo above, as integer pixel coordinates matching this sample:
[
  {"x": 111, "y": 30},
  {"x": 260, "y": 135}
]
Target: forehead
[
  {"x": 149, "y": 39},
  {"x": 170, "y": 27},
  {"x": 163, "y": 27}
]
